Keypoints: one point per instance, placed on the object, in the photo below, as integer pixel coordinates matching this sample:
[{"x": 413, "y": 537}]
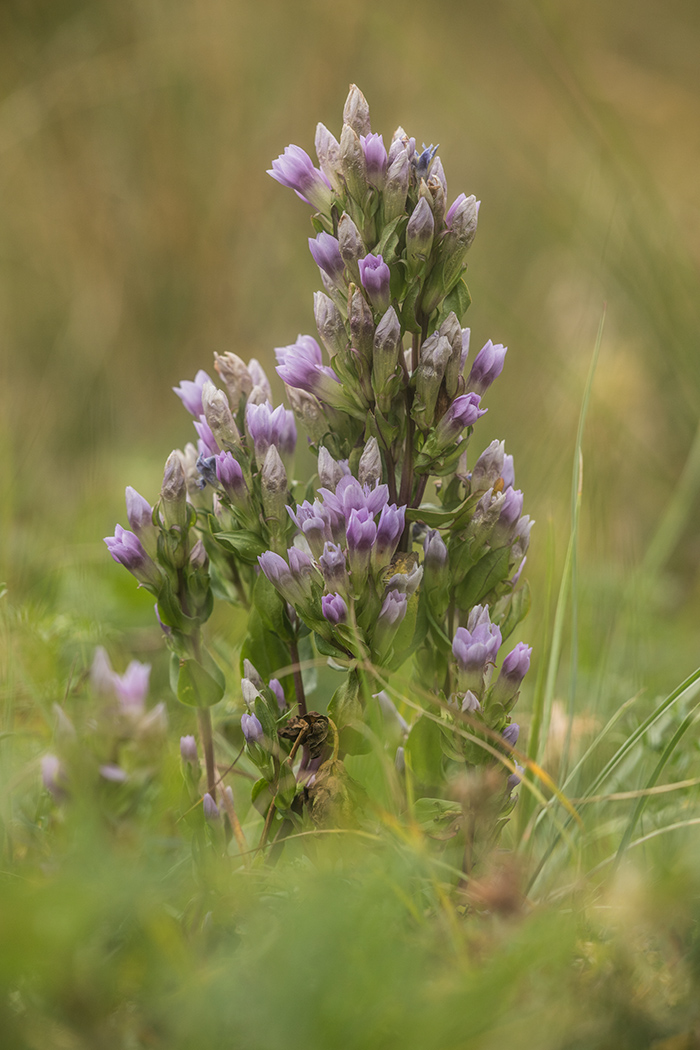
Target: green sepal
[
  {"x": 200, "y": 686},
  {"x": 488, "y": 572}
]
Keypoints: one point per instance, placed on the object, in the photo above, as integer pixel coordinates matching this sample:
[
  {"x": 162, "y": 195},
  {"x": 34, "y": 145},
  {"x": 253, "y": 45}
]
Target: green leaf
[
  {"x": 198, "y": 686},
  {"x": 516, "y": 609},
  {"x": 436, "y": 812},
  {"x": 483, "y": 577},
  {"x": 459, "y": 301},
  {"x": 424, "y": 751},
  {"x": 247, "y": 545},
  {"x": 271, "y": 607}
]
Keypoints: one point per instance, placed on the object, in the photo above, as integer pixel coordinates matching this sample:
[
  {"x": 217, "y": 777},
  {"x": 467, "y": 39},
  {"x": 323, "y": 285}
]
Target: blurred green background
[{"x": 139, "y": 233}]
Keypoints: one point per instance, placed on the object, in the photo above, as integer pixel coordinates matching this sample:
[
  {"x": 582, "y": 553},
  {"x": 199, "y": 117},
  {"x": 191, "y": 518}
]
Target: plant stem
[
  {"x": 236, "y": 825},
  {"x": 207, "y": 738}
]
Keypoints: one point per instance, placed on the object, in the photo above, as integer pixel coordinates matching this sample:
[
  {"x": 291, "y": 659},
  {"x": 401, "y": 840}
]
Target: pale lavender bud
[
  {"x": 328, "y": 153},
  {"x": 252, "y": 673},
  {"x": 276, "y": 688},
  {"x": 466, "y": 338},
  {"x": 53, "y": 776},
  {"x": 139, "y": 512},
  {"x": 435, "y": 354},
  {"x": 350, "y": 243},
  {"x": 508, "y": 472},
  {"x": 315, "y": 524},
  {"x": 219, "y": 418},
  {"x": 279, "y": 574},
  {"x": 474, "y": 648},
  {"x": 259, "y": 377},
  {"x": 114, "y": 773},
  {"x": 435, "y": 553},
  {"x": 488, "y": 467},
  {"x": 126, "y": 548},
  {"x": 385, "y": 355},
  {"x": 401, "y": 141},
  {"x": 488, "y": 365},
  {"x": 330, "y": 324},
  {"x": 326, "y": 254},
  {"x": 514, "y": 778},
  {"x": 419, "y": 235},
  {"x": 334, "y": 609},
  {"x": 396, "y": 187},
  {"x": 463, "y": 412},
  {"x": 361, "y": 326},
  {"x": 356, "y": 111},
  {"x": 174, "y": 493},
  {"x": 235, "y": 376},
  {"x": 250, "y": 691},
  {"x": 438, "y": 172},
  {"x": 199, "y": 558},
  {"x": 393, "y": 610},
  {"x": 470, "y": 704},
  {"x": 301, "y": 565},
  {"x": 230, "y": 477},
  {"x": 207, "y": 444},
  {"x": 521, "y": 537},
  {"x": 188, "y": 751},
  {"x": 294, "y": 168},
  {"x": 376, "y": 158},
  {"x": 274, "y": 484},
  {"x": 511, "y": 509},
  {"x": 461, "y": 220},
  {"x": 400, "y": 760},
  {"x": 369, "y": 470},
  {"x": 252, "y": 728},
  {"x": 330, "y": 470},
  {"x": 333, "y": 566},
  {"x": 389, "y": 530},
  {"x": 190, "y": 393},
  {"x": 210, "y": 809},
  {"x": 511, "y": 733},
  {"x": 165, "y": 628},
  {"x": 375, "y": 277}
]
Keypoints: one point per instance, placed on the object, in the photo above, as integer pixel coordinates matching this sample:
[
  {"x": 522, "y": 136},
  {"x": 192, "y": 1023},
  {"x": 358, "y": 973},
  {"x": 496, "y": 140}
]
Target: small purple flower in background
[
  {"x": 210, "y": 809},
  {"x": 190, "y": 393},
  {"x": 375, "y": 277},
  {"x": 188, "y": 750},
  {"x": 334, "y": 609},
  {"x": 294, "y": 168},
  {"x": 488, "y": 365},
  {"x": 53, "y": 776},
  {"x": 252, "y": 728},
  {"x": 326, "y": 253},
  {"x": 376, "y": 159},
  {"x": 114, "y": 773},
  {"x": 130, "y": 689},
  {"x": 127, "y": 549}
]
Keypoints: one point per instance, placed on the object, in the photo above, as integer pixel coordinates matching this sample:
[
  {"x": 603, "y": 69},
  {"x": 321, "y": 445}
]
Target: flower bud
[
  {"x": 219, "y": 419},
  {"x": 274, "y": 484},
  {"x": 188, "y": 751},
  {"x": 198, "y": 556},
  {"x": 351, "y": 246},
  {"x": 389, "y": 530},
  {"x": 235, "y": 376},
  {"x": 210, "y": 809},
  {"x": 295, "y": 169},
  {"x": 451, "y": 329},
  {"x": 396, "y": 187},
  {"x": 174, "y": 493},
  {"x": 463, "y": 412},
  {"x": 328, "y": 153},
  {"x": 326, "y": 254},
  {"x": 513, "y": 670},
  {"x": 334, "y": 609},
  {"x": 369, "y": 471},
  {"x": 488, "y": 467},
  {"x": 190, "y": 393},
  {"x": 435, "y": 353},
  {"x": 361, "y": 324},
  {"x": 330, "y": 324},
  {"x": 334, "y": 568},
  {"x": 356, "y": 111},
  {"x": 230, "y": 477},
  {"x": 376, "y": 277},
  {"x": 352, "y": 157},
  {"x": 419, "y": 236},
  {"x": 511, "y": 733},
  {"x": 330, "y": 471},
  {"x": 252, "y": 728},
  {"x": 361, "y": 532},
  {"x": 140, "y": 515},
  {"x": 251, "y": 672},
  {"x": 390, "y": 617},
  {"x": 376, "y": 159},
  {"x": 385, "y": 355}
]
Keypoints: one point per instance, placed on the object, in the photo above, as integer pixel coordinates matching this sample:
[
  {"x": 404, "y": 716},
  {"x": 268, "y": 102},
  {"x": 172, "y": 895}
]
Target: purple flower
[
  {"x": 475, "y": 647},
  {"x": 130, "y": 689},
  {"x": 127, "y": 549},
  {"x": 351, "y": 495},
  {"x": 252, "y": 728},
  {"x": 375, "y": 277},
  {"x": 334, "y": 609},
  {"x": 461, "y": 219},
  {"x": 470, "y": 703},
  {"x": 294, "y": 586},
  {"x": 514, "y": 779},
  {"x": 140, "y": 514},
  {"x": 451, "y": 211},
  {"x": 463, "y": 412},
  {"x": 326, "y": 253},
  {"x": 294, "y": 168},
  {"x": 511, "y": 509},
  {"x": 188, "y": 751},
  {"x": 300, "y": 365},
  {"x": 488, "y": 467},
  {"x": 53, "y": 776},
  {"x": 389, "y": 530},
  {"x": 276, "y": 688},
  {"x": 511, "y": 734},
  {"x": 488, "y": 365},
  {"x": 190, "y": 393},
  {"x": 513, "y": 670},
  {"x": 361, "y": 532},
  {"x": 210, "y": 809},
  {"x": 376, "y": 159},
  {"x": 435, "y": 552},
  {"x": 230, "y": 477},
  {"x": 207, "y": 444}
]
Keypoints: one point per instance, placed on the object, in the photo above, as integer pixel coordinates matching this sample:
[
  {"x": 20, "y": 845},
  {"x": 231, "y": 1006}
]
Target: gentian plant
[{"x": 397, "y": 564}]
